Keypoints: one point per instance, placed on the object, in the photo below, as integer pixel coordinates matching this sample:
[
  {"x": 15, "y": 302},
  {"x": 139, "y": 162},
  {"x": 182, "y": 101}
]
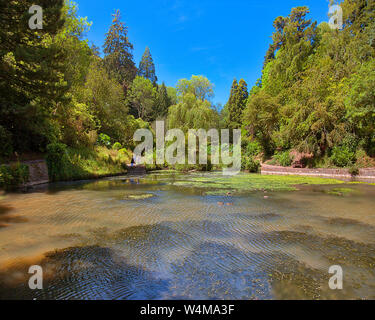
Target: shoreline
[{"x": 365, "y": 175}]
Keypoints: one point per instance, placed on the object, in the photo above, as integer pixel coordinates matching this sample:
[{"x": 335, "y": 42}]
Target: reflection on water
[{"x": 145, "y": 238}]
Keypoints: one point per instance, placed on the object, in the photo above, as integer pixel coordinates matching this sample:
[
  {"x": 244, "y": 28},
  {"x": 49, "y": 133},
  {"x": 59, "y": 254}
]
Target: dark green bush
[
  {"x": 283, "y": 158},
  {"x": 104, "y": 140},
  {"x": 117, "y": 146},
  {"x": 13, "y": 176},
  {"x": 57, "y": 159},
  {"x": 6, "y": 143},
  {"x": 248, "y": 163},
  {"x": 253, "y": 148},
  {"x": 342, "y": 156},
  {"x": 354, "y": 170}
]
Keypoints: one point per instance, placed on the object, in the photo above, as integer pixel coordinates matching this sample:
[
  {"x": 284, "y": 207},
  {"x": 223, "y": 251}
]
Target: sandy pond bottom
[{"x": 171, "y": 236}]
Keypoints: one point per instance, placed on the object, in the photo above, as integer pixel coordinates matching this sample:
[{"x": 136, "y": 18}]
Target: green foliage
[
  {"x": 317, "y": 89},
  {"x": 32, "y": 66},
  {"x": 117, "y": 146},
  {"x": 253, "y": 148},
  {"x": 192, "y": 113},
  {"x": 66, "y": 163},
  {"x": 199, "y": 86},
  {"x": 237, "y": 103},
  {"x": 354, "y": 170},
  {"x": 147, "y": 68},
  {"x": 261, "y": 118},
  {"x": 57, "y": 159},
  {"x": 6, "y": 143},
  {"x": 250, "y": 164},
  {"x": 106, "y": 102},
  {"x": 104, "y": 140},
  {"x": 13, "y": 176},
  {"x": 118, "y": 59},
  {"x": 162, "y": 103},
  {"x": 141, "y": 98},
  {"x": 342, "y": 156},
  {"x": 283, "y": 158}
]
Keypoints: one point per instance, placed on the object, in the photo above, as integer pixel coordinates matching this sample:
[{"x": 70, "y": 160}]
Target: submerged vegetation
[{"x": 248, "y": 182}]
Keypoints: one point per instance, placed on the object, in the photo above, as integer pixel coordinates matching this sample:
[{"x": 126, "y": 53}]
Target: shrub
[
  {"x": 363, "y": 160},
  {"x": 123, "y": 151},
  {"x": 248, "y": 163},
  {"x": 6, "y": 143},
  {"x": 354, "y": 170},
  {"x": 253, "y": 148},
  {"x": 104, "y": 140},
  {"x": 283, "y": 158},
  {"x": 117, "y": 146},
  {"x": 342, "y": 156},
  {"x": 13, "y": 175},
  {"x": 57, "y": 159}
]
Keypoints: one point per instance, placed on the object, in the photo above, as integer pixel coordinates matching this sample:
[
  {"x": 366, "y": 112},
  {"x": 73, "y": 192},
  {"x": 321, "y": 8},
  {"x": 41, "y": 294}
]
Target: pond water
[{"x": 168, "y": 236}]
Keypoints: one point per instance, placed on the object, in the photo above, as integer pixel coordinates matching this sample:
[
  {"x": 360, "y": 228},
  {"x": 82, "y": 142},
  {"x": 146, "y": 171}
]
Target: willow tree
[{"x": 192, "y": 113}]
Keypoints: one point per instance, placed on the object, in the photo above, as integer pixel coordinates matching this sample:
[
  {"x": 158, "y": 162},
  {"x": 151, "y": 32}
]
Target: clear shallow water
[{"x": 105, "y": 240}]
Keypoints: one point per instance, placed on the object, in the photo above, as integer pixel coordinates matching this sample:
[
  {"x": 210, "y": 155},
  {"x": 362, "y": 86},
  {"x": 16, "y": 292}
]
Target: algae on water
[{"x": 250, "y": 182}]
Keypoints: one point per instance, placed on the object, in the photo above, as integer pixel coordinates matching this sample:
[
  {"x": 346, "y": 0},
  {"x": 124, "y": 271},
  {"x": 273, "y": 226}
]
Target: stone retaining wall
[
  {"x": 365, "y": 175},
  {"x": 38, "y": 172}
]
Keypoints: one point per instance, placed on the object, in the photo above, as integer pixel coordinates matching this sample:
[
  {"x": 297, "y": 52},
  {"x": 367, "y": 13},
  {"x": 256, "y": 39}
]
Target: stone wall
[
  {"x": 365, "y": 175},
  {"x": 38, "y": 172}
]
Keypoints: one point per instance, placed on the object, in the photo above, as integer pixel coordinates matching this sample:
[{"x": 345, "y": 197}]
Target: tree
[
  {"x": 31, "y": 73},
  {"x": 191, "y": 113},
  {"x": 199, "y": 86},
  {"x": 147, "y": 68},
  {"x": 118, "y": 59},
  {"x": 261, "y": 119},
  {"x": 141, "y": 98},
  {"x": 162, "y": 103},
  {"x": 360, "y": 105},
  {"x": 106, "y": 101},
  {"x": 237, "y": 103}
]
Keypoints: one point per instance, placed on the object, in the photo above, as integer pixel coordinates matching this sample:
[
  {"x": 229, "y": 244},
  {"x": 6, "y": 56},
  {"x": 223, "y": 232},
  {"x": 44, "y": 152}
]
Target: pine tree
[
  {"x": 147, "y": 68},
  {"x": 118, "y": 50}
]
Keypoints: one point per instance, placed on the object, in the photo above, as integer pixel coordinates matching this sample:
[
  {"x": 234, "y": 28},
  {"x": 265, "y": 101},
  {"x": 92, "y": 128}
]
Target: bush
[
  {"x": 342, "y": 156},
  {"x": 248, "y": 163},
  {"x": 123, "y": 151},
  {"x": 104, "y": 140},
  {"x": 56, "y": 160},
  {"x": 13, "y": 175},
  {"x": 6, "y": 143},
  {"x": 354, "y": 170},
  {"x": 117, "y": 146},
  {"x": 283, "y": 158},
  {"x": 253, "y": 148}
]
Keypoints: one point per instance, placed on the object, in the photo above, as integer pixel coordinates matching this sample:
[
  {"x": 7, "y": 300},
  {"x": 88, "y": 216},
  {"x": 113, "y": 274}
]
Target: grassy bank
[{"x": 66, "y": 164}]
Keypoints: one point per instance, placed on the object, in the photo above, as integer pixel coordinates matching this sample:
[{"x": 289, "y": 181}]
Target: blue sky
[{"x": 219, "y": 39}]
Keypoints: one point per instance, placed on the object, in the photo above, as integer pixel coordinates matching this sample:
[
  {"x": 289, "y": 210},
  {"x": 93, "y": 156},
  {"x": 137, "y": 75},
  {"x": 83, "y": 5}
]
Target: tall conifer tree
[
  {"x": 237, "y": 103},
  {"x": 118, "y": 50},
  {"x": 147, "y": 68}
]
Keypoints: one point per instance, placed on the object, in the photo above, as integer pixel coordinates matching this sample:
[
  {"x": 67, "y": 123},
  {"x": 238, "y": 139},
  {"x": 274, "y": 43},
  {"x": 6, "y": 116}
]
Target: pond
[{"x": 167, "y": 235}]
